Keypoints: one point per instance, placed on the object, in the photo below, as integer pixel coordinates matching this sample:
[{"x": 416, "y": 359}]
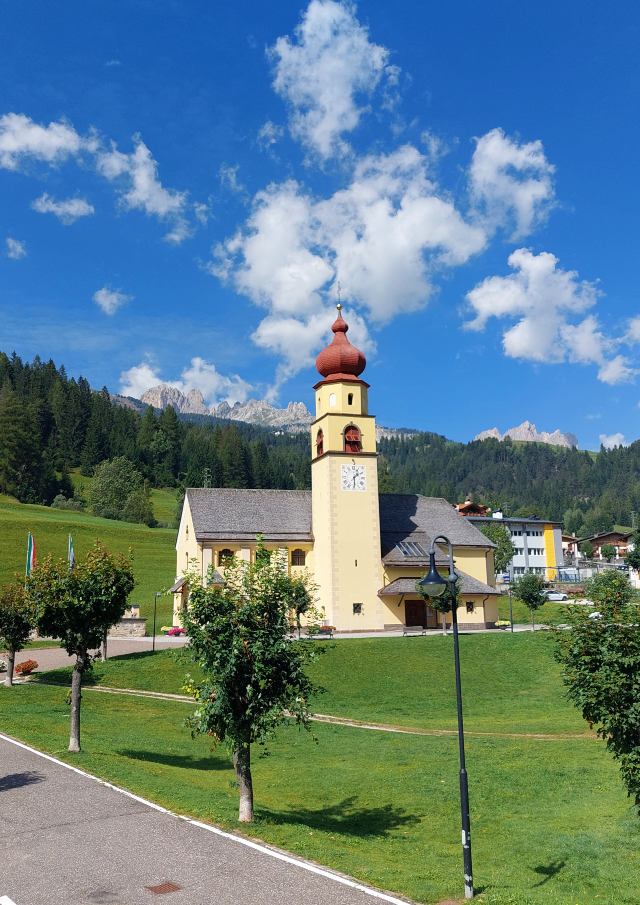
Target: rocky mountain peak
[{"x": 528, "y": 432}]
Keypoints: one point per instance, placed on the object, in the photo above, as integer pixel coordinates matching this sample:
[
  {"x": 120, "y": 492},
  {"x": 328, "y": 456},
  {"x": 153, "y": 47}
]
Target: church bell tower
[{"x": 344, "y": 482}]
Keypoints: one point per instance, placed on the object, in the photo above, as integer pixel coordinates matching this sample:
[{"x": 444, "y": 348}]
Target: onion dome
[{"x": 340, "y": 359}]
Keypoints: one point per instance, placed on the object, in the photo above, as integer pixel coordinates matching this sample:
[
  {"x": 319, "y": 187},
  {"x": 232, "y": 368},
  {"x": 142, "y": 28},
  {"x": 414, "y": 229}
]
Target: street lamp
[
  {"x": 155, "y": 602},
  {"x": 434, "y": 585}
]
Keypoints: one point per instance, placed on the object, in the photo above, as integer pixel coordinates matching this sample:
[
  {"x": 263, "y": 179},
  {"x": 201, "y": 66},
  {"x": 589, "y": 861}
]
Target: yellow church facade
[{"x": 365, "y": 550}]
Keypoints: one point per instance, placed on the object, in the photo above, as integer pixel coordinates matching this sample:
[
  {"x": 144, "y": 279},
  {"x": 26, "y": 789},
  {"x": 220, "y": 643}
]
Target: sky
[{"x": 183, "y": 185}]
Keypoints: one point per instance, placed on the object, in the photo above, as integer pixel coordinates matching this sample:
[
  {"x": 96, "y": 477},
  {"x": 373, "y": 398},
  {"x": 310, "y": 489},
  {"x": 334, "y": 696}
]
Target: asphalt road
[{"x": 67, "y": 838}]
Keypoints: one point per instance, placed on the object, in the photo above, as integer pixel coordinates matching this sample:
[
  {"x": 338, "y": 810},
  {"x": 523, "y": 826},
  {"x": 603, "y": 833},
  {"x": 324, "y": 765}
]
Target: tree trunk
[
  {"x": 76, "y": 688},
  {"x": 11, "y": 659},
  {"x": 444, "y": 624},
  {"x": 242, "y": 764},
  {"x": 533, "y": 624},
  {"x": 103, "y": 648}
]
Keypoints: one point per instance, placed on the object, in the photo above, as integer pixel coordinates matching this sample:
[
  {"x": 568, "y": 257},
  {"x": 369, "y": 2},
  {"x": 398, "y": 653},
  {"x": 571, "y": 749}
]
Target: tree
[
  {"x": 138, "y": 507},
  {"x": 586, "y": 548},
  {"x": 633, "y": 556},
  {"x": 113, "y": 483},
  {"x": 502, "y": 539},
  {"x": 254, "y": 676},
  {"x": 17, "y": 621},
  {"x": 600, "y": 661},
  {"x": 529, "y": 589},
  {"x": 79, "y": 606},
  {"x": 608, "y": 551},
  {"x": 442, "y": 604},
  {"x": 385, "y": 478}
]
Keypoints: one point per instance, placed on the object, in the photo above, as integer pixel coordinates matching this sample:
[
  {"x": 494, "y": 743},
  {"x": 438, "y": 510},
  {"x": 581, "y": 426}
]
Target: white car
[{"x": 556, "y": 595}]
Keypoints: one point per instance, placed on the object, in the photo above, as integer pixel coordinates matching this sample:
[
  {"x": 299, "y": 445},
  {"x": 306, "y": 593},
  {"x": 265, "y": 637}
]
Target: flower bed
[
  {"x": 175, "y": 631},
  {"x": 25, "y": 668}
]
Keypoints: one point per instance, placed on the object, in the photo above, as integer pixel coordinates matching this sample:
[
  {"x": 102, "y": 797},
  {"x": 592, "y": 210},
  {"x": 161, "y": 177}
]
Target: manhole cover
[{"x": 164, "y": 887}]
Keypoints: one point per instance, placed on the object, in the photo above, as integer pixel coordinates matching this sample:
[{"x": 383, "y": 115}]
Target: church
[{"x": 365, "y": 550}]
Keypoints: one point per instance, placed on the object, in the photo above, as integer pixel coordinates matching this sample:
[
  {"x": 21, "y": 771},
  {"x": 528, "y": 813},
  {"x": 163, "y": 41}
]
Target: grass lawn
[
  {"x": 164, "y": 504},
  {"x": 550, "y": 821},
  {"x": 550, "y": 613},
  {"x": 153, "y": 549}
]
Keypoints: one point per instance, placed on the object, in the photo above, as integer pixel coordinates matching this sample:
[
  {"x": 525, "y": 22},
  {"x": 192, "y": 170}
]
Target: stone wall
[{"x": 129, "y": 628}]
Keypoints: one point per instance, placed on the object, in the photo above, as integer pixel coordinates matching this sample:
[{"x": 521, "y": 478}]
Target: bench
[
  {"x": 413, "y": 630},
  {"x": 325, "y": 631}
]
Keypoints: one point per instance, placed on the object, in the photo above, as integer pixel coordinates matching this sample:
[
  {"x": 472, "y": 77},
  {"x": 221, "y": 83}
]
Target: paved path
[{"x": 68, "y": 838}]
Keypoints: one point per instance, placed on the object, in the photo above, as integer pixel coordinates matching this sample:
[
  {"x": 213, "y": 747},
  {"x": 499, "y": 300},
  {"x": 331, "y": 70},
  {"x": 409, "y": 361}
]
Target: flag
[
  {"x": 70, "y": 556},
  {"x": 31, "y": 553}
]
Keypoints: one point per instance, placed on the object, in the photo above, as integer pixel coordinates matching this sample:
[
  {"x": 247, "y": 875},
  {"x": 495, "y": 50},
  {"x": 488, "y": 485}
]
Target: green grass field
[
  {"x": 153, "y": 549},
  {"x": 551, "y": 824}
]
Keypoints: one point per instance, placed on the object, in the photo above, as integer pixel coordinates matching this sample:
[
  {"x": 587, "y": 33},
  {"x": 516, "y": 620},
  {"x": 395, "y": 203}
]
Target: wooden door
[{"x": 415, "y": 613}]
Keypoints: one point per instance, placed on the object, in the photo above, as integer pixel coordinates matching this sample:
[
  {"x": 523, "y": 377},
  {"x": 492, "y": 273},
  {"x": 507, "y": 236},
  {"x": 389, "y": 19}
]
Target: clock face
[{"x": 354, "y": 477}]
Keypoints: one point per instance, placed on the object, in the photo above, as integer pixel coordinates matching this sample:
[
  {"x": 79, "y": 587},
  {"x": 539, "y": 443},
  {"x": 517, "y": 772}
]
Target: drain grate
[{"x": 164, "y": 887}]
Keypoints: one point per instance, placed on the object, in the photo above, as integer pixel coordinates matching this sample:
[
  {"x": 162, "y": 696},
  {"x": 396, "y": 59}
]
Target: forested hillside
[
  {"x": 588, "y": 493},
  {"x": 50, "y": 424}
]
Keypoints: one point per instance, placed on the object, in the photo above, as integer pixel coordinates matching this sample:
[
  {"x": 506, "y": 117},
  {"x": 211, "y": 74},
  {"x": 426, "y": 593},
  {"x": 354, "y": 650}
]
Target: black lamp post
[
  {"x": 155, "y": 602},
  {"x": 434, "y": 585}
]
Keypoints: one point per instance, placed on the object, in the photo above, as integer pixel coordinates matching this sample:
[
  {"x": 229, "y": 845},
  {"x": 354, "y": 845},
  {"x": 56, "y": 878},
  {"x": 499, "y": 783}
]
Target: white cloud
[
  {"x": 613, "y": 440},
  {"x": 201, "y": 375},
  {"x": 67, "y": 211},
  {"x": 269, "y": 134},
  {"x": 229, "y": 177},
  {"x": 510, "y": 184},
  {"x": 110, "y": 299},
  {"x": 22, "y": 139},
  {"x": 113, "y": 63},
  {"x": 322, "y": 71},
  {"x": 136, "y": 176},
  {"x": 383, "y": 236},
  {"x": 632, "y": 335},
  {"x": 16, "y": 249},
  {"x": 543, "y": 297}
]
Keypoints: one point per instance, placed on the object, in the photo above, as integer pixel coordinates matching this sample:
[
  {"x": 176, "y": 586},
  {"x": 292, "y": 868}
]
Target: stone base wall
[{"x": 129, "y": 628}]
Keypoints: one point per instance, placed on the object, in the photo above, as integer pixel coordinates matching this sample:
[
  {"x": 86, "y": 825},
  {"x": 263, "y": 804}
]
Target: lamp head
[{"x": 433, "y": 584}]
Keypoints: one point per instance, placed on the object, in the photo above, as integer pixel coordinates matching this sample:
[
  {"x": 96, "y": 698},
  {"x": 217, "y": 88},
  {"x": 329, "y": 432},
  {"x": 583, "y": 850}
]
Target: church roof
[
  {"x": 225, "y": 514},
  {"x": 340, "y": 359},
  {"x": 285, "y": 515},
  {"x": 469, "y": 585}
]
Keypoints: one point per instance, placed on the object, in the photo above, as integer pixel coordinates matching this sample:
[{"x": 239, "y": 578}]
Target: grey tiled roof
[
  {"x": 224, "y": 514},
  {"x": 410, "y": 514},
  {"x": 469, "y": 585}
]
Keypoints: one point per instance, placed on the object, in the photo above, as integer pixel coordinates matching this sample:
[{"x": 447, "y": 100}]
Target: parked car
[{"x": 554, "y": 595}]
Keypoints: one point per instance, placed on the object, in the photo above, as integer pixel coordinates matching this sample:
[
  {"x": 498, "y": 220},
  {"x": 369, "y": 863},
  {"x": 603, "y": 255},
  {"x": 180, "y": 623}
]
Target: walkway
[{"x": 66, "y": 837}]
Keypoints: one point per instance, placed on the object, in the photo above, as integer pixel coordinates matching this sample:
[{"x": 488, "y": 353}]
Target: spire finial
[{"x": 339, "y": 305}]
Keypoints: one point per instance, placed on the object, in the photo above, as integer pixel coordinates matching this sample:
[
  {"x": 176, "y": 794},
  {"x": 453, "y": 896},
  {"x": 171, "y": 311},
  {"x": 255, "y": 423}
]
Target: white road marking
[{"x": 273, "y": 853}]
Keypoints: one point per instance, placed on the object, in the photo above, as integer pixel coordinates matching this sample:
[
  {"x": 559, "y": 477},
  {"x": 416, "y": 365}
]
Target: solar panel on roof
[{"x": 410, "y": 548}]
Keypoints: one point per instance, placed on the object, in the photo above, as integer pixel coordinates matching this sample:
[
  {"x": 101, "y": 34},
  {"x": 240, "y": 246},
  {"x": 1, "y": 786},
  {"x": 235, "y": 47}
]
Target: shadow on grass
[
  {"x": 548, "y": 871},
  {"x": 17, "y": 780},
  {"x": 345, "y": 818},
  {"x": 182, "y": 761}
]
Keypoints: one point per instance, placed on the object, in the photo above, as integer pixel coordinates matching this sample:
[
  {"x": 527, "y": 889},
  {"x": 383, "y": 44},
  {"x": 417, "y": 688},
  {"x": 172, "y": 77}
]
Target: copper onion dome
[{"x": 340, "y": 358}]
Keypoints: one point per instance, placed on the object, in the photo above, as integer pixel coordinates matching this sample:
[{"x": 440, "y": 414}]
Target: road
[{"x": 66, "y": 837}]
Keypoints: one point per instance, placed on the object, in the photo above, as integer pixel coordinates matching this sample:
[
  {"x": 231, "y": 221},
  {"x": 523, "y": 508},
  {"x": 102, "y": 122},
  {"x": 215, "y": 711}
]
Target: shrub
[
  {"x": 73, "y": 505},
  {"x": 25, "y": 667}
]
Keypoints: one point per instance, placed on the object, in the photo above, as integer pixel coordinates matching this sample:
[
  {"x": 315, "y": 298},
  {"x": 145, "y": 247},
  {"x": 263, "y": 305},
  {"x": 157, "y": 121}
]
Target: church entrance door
[{"x": 415, "y": 613}]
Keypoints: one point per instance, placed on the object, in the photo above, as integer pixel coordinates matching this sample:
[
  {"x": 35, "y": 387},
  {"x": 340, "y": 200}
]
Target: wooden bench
[
  {"x": 413, "y": 630},
  {"x": 325, "y": 631}
]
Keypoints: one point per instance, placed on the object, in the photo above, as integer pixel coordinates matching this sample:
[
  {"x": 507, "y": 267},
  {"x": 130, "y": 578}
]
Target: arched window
[
  {"x": 224, "y": 555},
  {"x": 350, "y": 398},
  {"x": 352, "y": 442},
  {"x": 298, "y": 557},
  {"x": 319, "y": 443}
]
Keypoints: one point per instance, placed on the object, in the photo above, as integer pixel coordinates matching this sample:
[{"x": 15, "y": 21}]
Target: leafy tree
[
  {"x": 442, "y": 604},
  {"x": 254, "y": 676},
  {"x": 138, "y": 507},
  {"x": 113, "y": 483},
  {"x": 502, "y": 539},
  {"x": 529, "y": 589},
  {"x": 608, "y": 551},
  {"x": 600, "y": 661},
  {"x": 17, "y": 621},
  {"x": 586, "y": 548},
  {"x": 633, "y": 556},
  {"x": 79, "y": 606},
  {"x": 385, "y": 478}
]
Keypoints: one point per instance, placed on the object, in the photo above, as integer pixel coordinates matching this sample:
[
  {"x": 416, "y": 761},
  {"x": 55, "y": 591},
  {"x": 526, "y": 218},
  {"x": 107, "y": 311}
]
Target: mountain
[{"x": 529, "y": 434}]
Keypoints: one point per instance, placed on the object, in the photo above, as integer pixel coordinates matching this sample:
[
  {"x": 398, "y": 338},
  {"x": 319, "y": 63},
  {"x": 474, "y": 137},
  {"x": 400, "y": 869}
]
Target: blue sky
[{"x": 184, "y": 184}]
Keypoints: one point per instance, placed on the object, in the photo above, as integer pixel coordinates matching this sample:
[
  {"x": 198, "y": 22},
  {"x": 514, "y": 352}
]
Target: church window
[
  {"x": 298, "y": 557},
  {"x": 352, "y": 442},
  {"x": 224, "y": 555},
  {"x": 319, "y": 443},
  {"x": 187, "y": 532},
  {"x": 357, "y": 609},
  {"x": 470, "y": 606},
  {"x": 332, "y": 399},
  {"x": 350, "y": 398}
]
